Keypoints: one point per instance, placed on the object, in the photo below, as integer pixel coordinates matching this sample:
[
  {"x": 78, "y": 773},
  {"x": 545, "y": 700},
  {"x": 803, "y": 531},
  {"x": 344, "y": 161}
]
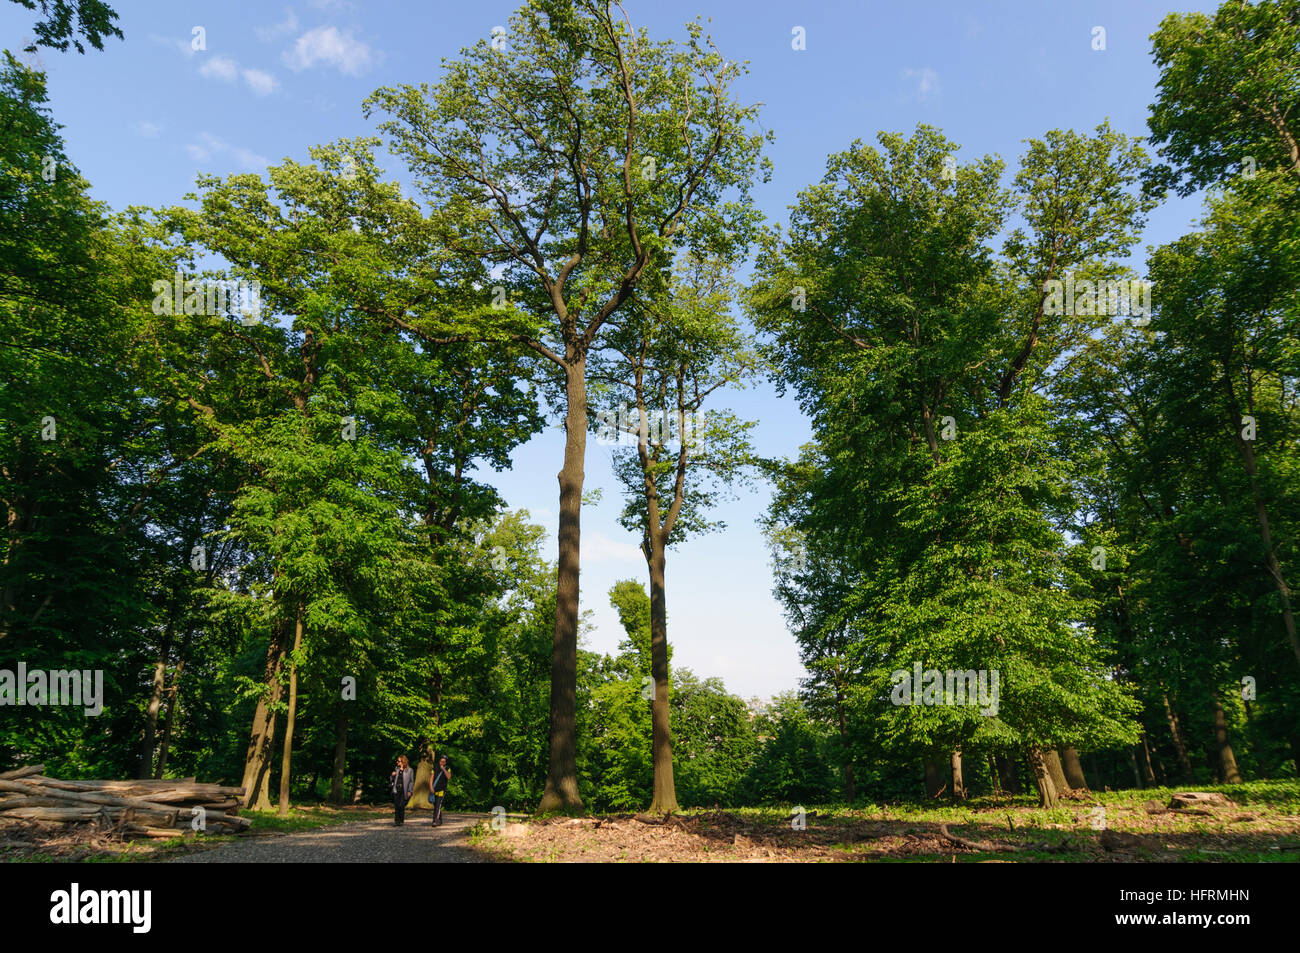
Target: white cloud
[
  {"x": 927, "y": 82},
  {"x": 597, "y": 547},
  {"x": 210, "y": 146},
  {"x": 220, "y": 67},
  {"x": 261, "y": 83},
  {"x": 184, "y": 46},
  {"x": 150, "y": 130},
  {"x": 268, "y": 33},
  {"x": 328, "y": 46}
]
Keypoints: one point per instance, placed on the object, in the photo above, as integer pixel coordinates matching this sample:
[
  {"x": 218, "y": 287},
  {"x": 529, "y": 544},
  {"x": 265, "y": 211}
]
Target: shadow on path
[{"x": 359, "y": 842}]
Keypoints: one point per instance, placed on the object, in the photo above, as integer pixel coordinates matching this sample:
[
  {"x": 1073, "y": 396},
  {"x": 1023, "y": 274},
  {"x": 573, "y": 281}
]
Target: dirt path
[{"x": 378, "y": 841}]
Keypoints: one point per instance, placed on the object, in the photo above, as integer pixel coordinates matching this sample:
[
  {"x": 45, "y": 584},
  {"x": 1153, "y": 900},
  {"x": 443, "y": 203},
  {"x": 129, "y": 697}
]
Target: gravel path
[{"x": 379, "y": 841}]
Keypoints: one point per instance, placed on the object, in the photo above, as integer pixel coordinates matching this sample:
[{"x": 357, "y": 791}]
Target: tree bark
[
  {"x": 1180, "y": 748},
  {"x": 287, "y": 757},
  {"x": 1227, "y": 761},
  {"x": 850, "y": 782},
  {"x": 156, "y": 691},
  {"x": 1047, "y": 794},
  {"x": 340, "y": 754},
  {"x": 1008, "y": 776},
  {"x": 257, "y": 761},
  {"x": 1073, "y": 768},
  {"x": 561, "y": 792},
  {"x": 1148, "y": 773},
  {"x": 933, "y": 778},
  {"x": 1052, "y": 761},
  {"x": 958, "y": 784},
  {"x": 169, "y": 720},
  {"x": 661, "y": 745}
]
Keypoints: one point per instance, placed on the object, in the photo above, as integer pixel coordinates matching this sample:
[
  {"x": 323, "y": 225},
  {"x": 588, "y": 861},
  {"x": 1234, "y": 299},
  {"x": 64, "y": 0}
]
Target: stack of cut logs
[{"x": 141, "y": 808}]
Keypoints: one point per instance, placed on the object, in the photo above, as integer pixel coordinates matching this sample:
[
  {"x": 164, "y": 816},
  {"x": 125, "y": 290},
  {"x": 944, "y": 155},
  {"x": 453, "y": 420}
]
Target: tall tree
[
  {"x": 567, "y": 157},
  {"x": 663, "y": 365}
]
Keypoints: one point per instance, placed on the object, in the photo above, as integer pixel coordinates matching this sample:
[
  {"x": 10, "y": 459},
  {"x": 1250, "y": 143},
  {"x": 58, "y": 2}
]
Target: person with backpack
[
  {"x": 402, "y": 783},
  {"x": 438, "y": 788}
]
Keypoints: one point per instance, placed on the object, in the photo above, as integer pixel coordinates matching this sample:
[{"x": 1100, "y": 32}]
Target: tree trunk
[
  {"x": 156, "y": 691},
  {"x": 340, "y": 754},
  {"x": 665, "y": 792},
  {"x": 1052, "y": 761},
  {"x": 1008, "y": 775},
  {"x": 164, "y": 749},
  {"x": 850, "y": 781},
  {"x": 958, "y": 785},
  {"x": 287, "y": 756},
  {"x": 561, "y": 792},
  {"x": 1180, "y": 748},
  {"x": 993, "y": 775},
  {"x": 257, "y": 761},
  {"x": 1148, "y": 773},
  {"x": 1227, "y": 761},
  {"x": 1042, "y": 778},
  {"x": 1072, "y": 768},
  {"x": 933, "y": 778},
  {"x": 1270, "y": 554}
]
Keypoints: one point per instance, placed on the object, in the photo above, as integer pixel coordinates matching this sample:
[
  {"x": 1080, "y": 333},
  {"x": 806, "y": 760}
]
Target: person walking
[
  {"x": 402, "y": 782},
  {"x": 438, "y": 789}
]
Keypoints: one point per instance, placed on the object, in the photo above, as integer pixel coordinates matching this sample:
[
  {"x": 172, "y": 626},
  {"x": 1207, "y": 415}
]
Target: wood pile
[{"x": 143, "y": 808}]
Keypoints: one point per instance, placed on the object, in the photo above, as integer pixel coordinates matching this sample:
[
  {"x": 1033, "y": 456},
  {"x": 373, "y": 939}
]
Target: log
[
  {"x": 145, "y": 808},
  {"x": 9, "y": 803},
  {"x": 85, "y": 797},
  {"x": 158, "y": 790}
]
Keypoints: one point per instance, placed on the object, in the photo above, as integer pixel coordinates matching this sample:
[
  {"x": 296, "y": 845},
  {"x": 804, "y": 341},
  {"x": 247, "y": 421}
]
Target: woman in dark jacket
[
  {"x": 438, "y": 788},
  {"x": 402, "y": 782}
]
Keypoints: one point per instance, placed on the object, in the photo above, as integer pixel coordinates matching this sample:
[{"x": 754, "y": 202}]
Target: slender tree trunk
[
  {"x": 1073, "y": 768},
  {"x": 164, "y": 749},
  {"x": 661, "y": 745},
  {"x": 1180, "y": 748},
  {"x": 1270, "y": 553},
  {"x": 1047, "y": 794},
  {"x": 340, "y": 754},
  {"x": 958, "y": 784},
  {"x": 850, "y": 785},
  {"x": 1227, "y": 761},
  {"x": 1052, "y": 761},
  {"x": 561, "y": 793},
  {"x": 156, "y": 692},
  {"x": 933, "y": 778},
  {"x": 287, "y": 757},
  {"x": 257, "y": 761},
  {"x": 1148, "y": 773},
  {"x": 1008, "y": 776},
  {"x": 1133, "y": 762}
]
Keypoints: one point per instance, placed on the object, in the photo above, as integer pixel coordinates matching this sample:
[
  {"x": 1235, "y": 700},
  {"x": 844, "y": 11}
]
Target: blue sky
[{"x": 145, "y": 116}]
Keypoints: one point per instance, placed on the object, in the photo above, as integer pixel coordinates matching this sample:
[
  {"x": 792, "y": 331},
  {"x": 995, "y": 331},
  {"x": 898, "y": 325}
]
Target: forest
[{"x": 1043, "y": 538}]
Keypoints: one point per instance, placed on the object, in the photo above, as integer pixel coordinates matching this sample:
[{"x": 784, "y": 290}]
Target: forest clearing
[{"x": 600, "y": 432}]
